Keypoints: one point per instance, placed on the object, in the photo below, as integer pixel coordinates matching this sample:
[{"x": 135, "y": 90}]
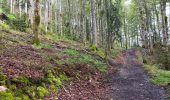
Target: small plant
[{"x": 42, "y": 92}]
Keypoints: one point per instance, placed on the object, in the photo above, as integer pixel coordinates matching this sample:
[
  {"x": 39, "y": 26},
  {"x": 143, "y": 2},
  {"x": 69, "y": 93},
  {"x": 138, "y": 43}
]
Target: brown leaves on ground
[
  {"x": 96, "y": 88},
  {"x": 22, "y": 61}
]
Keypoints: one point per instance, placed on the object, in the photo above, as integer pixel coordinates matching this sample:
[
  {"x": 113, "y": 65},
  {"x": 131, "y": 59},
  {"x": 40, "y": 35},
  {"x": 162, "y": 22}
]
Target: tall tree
[
  {"x": 94, "y": 26},
  {"x": 36, "y": 22},
  {"x": 164, "y": 23}
]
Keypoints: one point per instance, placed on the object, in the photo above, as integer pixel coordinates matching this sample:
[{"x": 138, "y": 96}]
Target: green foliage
[
  {"x": 3, "y": 79},
  {"x": 159, "y": 76},
  {"x": 53, "y": 79},
  {"x": 1, "y": 10},
  {"x": 6, "y": 96},
  {"x": 21, "y": 80},
  {"x": 41, "y": 46},
  {"x": 41, "y": 91},
  {"x": 93, "y": 48},
  {"x": 30, "y": 91},
  {"x": 71, "y": 52},
  {"x": 12, "y": 87},
  {"x": 101, "y": 67},
  {"x": 23, "y": 97},
  {"x": 4, "y": 26},
  {"x": 11, "y": 17},
  {"x": 100, "y": 53},
  {"x": 86, "y": 59},
  {"x": 17, "y": 22}
]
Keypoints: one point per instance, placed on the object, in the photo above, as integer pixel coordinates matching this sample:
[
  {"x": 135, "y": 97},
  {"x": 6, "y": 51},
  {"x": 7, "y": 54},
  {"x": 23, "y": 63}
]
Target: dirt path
[{"x": 131, "y": 83}]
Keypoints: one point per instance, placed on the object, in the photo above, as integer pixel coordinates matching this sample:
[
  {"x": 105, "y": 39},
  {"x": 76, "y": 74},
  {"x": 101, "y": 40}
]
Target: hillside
[{"x": 33, "y": 72}]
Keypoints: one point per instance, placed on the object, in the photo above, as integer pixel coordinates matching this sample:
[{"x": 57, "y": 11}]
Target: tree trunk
[
  {"x": 36, "y": 23},
  {"x": 94, "y": 26},
  {"x": 164, "y": 24}
]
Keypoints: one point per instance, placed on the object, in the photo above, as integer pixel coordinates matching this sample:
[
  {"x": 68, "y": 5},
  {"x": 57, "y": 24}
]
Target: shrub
[{"x": 18, "y": 23}]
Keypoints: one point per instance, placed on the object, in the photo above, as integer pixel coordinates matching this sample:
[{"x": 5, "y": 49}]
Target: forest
[{"x": 84, "y": 49}]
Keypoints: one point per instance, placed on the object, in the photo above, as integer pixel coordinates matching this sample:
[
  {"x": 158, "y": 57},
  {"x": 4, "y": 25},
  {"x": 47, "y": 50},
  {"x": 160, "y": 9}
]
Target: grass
[
  {"x": 41, "y": 46},
  {"x": 159, "y": 76},
  {"x": 71, "y": 52},
  {"x": 78, "y": 57}
]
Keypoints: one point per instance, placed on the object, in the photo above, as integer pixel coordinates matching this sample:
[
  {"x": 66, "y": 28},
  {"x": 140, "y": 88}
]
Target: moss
[
  {"x": 18, "y": 98},
  {"x": 21, "y": 80},
  {"x": 21, "y": 94},
  {"x": 3, "y": 79},
  {"x": 22, "y": 97},
  {"x": 30, "y": 91},
  {"x": 53, "y": 80},
  {"x": 6, "y": 96},
  {"x": 42, "y": 92},
  {"x": 12, "y": 87},
  {"x": 93, "y": 47},
  {"x": 25, "y": 97},
  {"x": 101, "y": 53}
]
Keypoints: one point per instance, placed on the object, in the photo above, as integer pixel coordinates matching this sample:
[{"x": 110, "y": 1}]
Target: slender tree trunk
[
  {"x": 46, "y": 15},
  {"x": 94, "y": 26},
  {"x": 164, "y": 24},
  {"x": 36, "y": 23}
]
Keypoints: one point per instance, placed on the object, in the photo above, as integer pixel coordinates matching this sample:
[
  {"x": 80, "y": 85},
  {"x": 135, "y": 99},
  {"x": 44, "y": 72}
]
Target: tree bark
[
  {"x": 94, "y": 26},
  {"x": 36, "y": 23}
]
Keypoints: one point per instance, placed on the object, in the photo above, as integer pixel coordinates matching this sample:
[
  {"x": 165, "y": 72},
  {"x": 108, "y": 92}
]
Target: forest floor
[{"x": 73, "y": 69}]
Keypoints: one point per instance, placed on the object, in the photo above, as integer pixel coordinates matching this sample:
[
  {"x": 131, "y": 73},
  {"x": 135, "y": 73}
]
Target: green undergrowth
[
  {"x": 42, "y": 46},
  {"x": 78, "y": 57},
  {"x": 159, "y": 76},
  {"x": 31, "y": 89}
]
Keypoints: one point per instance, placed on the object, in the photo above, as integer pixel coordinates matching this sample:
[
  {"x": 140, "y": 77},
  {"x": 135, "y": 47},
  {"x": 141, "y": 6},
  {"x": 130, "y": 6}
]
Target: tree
[
  {"x": 94, "y": 26},
  {"x": 36, "y": 23},
  {"x": 164, "y": 24}
]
